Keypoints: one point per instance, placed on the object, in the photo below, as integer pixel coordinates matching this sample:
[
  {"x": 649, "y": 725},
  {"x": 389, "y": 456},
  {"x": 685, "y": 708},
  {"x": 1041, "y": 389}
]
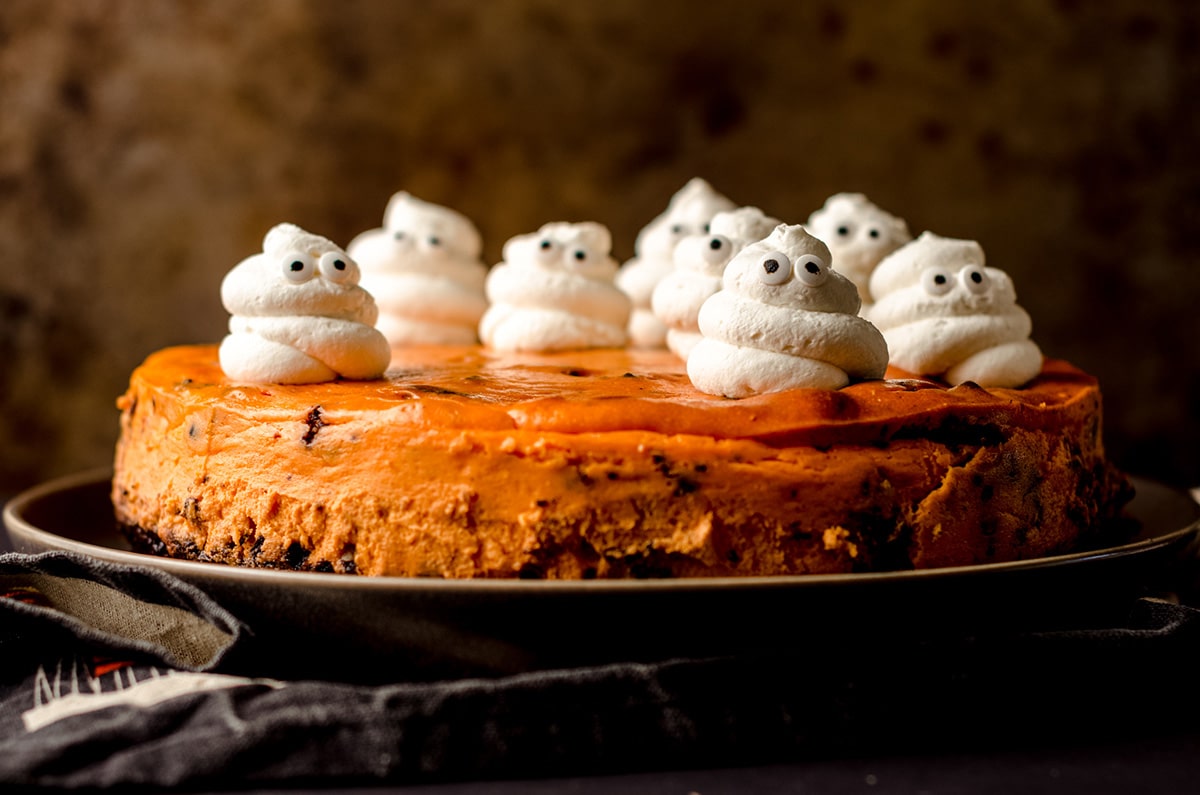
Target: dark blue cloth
[{"x": 88, "y": 702}]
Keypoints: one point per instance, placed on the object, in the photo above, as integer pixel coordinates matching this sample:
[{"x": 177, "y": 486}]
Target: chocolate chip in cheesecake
[{"x": 315, "y": 424}]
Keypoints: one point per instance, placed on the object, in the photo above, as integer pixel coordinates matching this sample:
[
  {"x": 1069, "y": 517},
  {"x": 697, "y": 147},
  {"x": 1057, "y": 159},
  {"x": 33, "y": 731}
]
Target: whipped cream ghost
[
  {"x": 784, "y": 319},
  {"x": 945, "y": 314},
  {"x": 424, "y": 270},
  {"x": 298, "y": 314},
  {"x": 859, "y": 235},
  {"x": 699, "y": 263},
  {"x": 688, "y": 213},
  {"x": 554, "y": 291}
]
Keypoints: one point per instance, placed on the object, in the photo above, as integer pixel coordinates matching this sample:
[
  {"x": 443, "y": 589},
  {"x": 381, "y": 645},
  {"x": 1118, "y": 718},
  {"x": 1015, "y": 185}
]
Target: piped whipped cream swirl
[
  {"x": 859, "y": 234},
  {"x": 423, "y": 267},
  {"x": 298, "y": 314},
  {"x": 945, "y": 314},
  {"x": 688, "y": 213},
  {"x": 699, "y": 263},
  {"x": 554, "y": 291},
  {"x": 784, "y": 319}
]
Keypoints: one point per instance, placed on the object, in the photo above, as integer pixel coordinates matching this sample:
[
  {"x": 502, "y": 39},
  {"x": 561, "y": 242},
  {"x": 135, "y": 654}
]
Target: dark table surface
[{"x": 1143, "y": 745}]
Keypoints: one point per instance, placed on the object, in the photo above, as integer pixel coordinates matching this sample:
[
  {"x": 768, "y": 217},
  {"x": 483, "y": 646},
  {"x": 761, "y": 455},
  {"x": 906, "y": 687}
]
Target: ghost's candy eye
[
  {"x": 338, "y": 268},
  {"x": 547, "y": 251},
  {"x": 843, "y": 230},
  {"x": 716, "y": 249},
  {"x": 873, "y": 233},
  {"x": 811, "y": 270},
  {"x": 677, "y": 229},
  {"x": 434, "y": 241},
  {"x": 298, "y": 268},
  {"x": 774, "y": 268},
  {"x": 397, "y": 235},
  {"x": 578, "y": 256},
  {"x": 975, "y": 279},
  {"x": 937, "y": 281}
]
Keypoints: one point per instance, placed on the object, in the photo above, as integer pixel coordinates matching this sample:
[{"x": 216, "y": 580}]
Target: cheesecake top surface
[{"x": 609, "y": 390}]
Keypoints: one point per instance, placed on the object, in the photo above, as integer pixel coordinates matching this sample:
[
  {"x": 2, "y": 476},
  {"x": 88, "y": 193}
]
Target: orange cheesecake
[{"x": 465, "y": 462}]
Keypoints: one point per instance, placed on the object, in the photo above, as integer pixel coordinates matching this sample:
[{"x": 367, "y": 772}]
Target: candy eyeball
[
  {"x": 859, "y": 234},
  {"x": 716, "y": 249},
  {"x": 704, "y": 254},
  {"x": 338, "y": 268},
  {"x": 579, "y": 249},
  {"x": 790, "y": 267},
  {"x": 848, "y": 231},
  {"x": 937, "y": 281},
  {"x": 421, "y": 238},
  {"x": 547, "y": 251},
  {"x": 684, "y": 229},
  {"x": 298, "y": 268},
  {"x": 688, "y": 213},
  {"x": 431, "y": 227},
  {"x": 774, "y": 268},
  {"x": 811, "y": 270},
  {"x": 584, "y": 249},
  {"x": 975, "y": 279}
]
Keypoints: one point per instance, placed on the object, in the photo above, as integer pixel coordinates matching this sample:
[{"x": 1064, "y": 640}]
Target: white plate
[{"x": 387, "y": 626}]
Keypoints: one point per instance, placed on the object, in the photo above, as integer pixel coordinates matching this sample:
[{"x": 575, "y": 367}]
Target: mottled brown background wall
[{"x": 146, "y": 147}]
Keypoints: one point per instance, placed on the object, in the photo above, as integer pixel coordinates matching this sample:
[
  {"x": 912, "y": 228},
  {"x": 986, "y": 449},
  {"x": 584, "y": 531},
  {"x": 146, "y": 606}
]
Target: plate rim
[{"x": 17, "y": 526}]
